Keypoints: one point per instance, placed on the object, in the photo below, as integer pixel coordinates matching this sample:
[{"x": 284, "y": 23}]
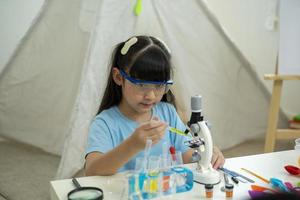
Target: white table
[{"x": 267, "y": 165}]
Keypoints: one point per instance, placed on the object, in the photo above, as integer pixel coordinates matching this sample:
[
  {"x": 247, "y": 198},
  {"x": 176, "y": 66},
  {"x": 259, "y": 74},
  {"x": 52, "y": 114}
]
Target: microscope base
[{"x": 207, "y": 177}]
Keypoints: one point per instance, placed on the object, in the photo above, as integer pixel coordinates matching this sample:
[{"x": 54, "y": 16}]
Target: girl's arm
[{"x": 108, "y": 163}]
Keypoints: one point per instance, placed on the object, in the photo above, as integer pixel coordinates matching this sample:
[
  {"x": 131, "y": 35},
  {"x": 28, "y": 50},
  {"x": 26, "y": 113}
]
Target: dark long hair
[{"x": 147, "y": 59}]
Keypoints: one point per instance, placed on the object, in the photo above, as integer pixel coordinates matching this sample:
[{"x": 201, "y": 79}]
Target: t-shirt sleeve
[
  {"x": 178, "y": 140},
  {"x": 99, "y": 138}
]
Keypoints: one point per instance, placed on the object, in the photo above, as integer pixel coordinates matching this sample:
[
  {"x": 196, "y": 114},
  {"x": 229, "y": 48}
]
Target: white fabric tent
[
  {"x": 12, "y": 33},
  {"x": 206, "y": 62}
]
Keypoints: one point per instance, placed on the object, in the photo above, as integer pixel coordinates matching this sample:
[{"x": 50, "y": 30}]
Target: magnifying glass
[{"x": 85, "y": 193}]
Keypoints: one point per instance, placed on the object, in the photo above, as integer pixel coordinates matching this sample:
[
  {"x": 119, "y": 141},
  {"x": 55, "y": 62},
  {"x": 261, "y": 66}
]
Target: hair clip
[
  {"x": 128, "y": 44},
  {"x": 165, "y": 45}
]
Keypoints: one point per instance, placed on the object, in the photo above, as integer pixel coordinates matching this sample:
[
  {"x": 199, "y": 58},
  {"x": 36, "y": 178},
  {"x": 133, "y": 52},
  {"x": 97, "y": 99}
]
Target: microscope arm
[{"x": 206, "y": 156}]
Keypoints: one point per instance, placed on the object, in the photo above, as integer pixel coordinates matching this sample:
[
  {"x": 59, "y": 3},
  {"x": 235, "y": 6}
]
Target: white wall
[
  {"x": 289, "y": 42},
  {"x": 251, "y": 25}
]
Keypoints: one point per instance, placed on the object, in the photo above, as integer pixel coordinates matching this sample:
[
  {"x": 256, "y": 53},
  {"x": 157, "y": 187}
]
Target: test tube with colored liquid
[{"x": 153, "y": 176}]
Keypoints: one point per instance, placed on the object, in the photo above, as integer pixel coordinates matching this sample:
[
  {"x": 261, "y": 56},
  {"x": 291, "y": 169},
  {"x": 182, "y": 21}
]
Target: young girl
[{"x": 137, "y": 105}]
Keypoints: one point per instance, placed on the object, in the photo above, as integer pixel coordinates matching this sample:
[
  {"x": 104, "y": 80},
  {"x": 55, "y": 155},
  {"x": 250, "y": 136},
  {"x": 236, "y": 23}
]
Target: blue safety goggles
[{"x": 146, "y": 85}]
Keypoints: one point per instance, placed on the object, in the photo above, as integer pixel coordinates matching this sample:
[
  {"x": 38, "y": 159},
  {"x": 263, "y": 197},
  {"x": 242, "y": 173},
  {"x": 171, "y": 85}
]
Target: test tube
[
  {"x": 166, "y": 172},
  {"x": 153, "y": 176},
  {"x": 147, "y": 152},
  {"x": 133, "y": 191}
]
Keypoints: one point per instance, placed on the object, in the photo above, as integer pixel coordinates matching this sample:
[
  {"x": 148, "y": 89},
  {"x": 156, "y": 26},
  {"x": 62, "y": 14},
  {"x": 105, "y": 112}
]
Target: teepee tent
[
  {"x": 51, "y": 88},
  {"x": 206, "y": 62}
]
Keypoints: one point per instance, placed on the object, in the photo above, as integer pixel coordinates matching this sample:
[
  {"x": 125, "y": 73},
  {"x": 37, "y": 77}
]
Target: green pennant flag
[{"x": 138, "y": 7}]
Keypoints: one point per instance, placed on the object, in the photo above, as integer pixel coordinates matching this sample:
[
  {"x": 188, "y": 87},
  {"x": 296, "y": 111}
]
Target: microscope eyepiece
[
  {"x": 196, "y": 107},
  {"x": 196, "y": 104}
]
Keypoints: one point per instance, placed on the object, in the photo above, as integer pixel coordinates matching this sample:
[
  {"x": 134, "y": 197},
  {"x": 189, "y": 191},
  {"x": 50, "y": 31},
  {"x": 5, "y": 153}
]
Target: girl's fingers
[
  {"x": 155, "y": 138},
  {"x": 214, "y": 160},
  {"x": 155, "y": 118},
  {"x": 153, "y": 130},
  {"x": 152, "y": 125},
  {"x": 157, "y": 131},
  {"x": 160, "y": 129},
  {"x": 218, "y": 163},
  {"x": 217, "y": 159}
]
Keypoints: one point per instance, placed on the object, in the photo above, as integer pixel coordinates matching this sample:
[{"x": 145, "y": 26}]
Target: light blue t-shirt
[{"x": 111, "y": 127}]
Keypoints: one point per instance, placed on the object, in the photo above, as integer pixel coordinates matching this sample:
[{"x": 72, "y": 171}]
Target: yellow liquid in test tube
[{"x": 153, "y": 183}]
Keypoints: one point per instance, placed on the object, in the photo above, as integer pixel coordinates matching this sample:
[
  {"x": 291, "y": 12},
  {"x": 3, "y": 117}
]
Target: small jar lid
[
  {"x": 209, "y": 186},
  {"x": 229, "y": 186}
]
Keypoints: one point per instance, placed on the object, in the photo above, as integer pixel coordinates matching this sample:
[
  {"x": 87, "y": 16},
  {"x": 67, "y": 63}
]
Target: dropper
[
  {"x": 179, "y": 132},
  {"x": 175, "y": 130}
]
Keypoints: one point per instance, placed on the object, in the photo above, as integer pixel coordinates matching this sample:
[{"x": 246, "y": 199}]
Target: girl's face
[
  {"x": 138, "y": 99},
  {"x": 141, "y": 100}
]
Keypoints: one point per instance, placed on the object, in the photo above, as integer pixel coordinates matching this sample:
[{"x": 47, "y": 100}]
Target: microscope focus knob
[
  {"x": 196, "y": 156},
  {"x": 195, "y": 128}
]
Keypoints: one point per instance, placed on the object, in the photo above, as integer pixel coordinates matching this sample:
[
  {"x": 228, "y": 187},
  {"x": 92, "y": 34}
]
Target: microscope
[{"x": 202, "y": 145}]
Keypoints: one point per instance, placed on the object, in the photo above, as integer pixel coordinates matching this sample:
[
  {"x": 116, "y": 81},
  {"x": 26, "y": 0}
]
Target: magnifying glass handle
[{"x": 75, "y": 182}]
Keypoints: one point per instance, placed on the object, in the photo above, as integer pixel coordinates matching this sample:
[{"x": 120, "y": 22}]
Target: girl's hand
[
  {"x": 154, "y": 130},
  {"x": 218, "y": 159}
]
